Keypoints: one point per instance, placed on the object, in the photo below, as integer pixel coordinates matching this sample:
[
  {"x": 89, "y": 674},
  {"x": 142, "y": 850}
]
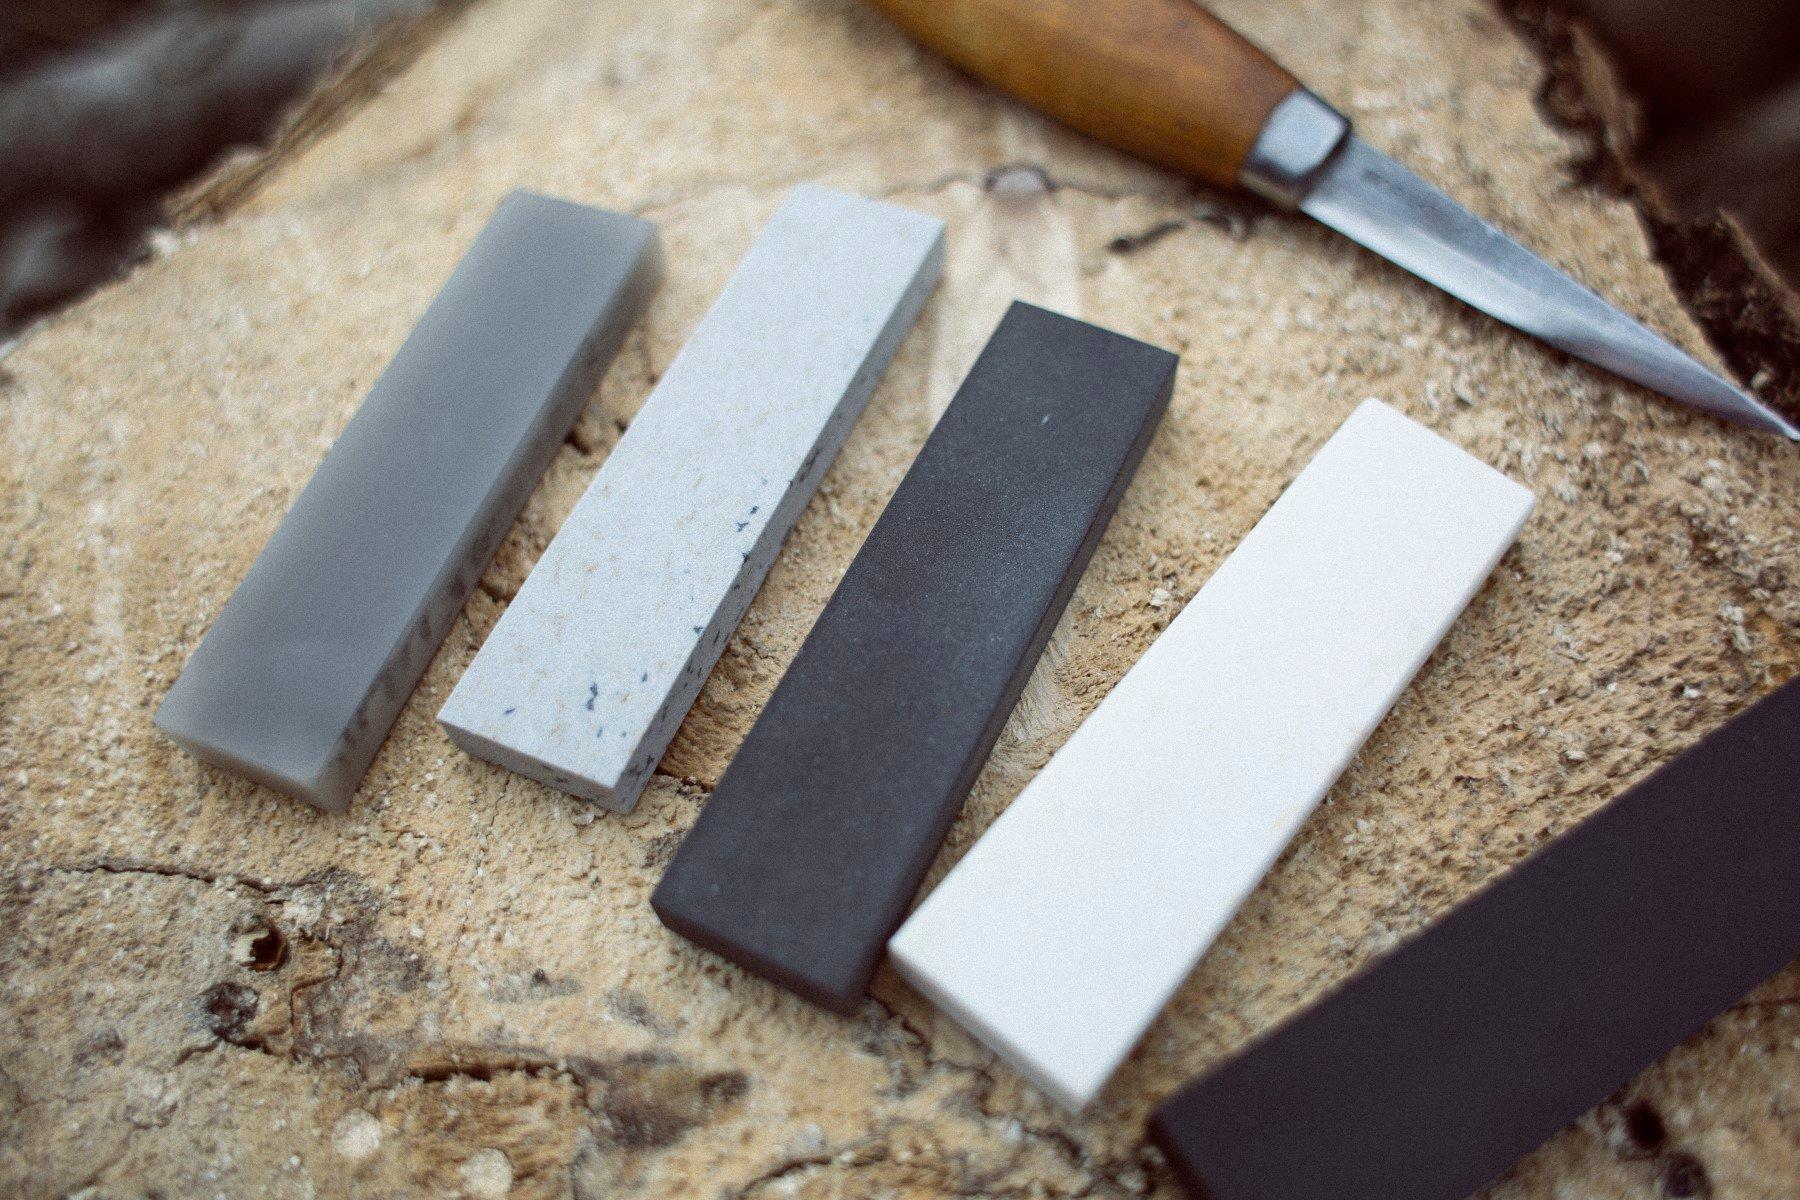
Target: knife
[{"x": 1171, "y": 83}]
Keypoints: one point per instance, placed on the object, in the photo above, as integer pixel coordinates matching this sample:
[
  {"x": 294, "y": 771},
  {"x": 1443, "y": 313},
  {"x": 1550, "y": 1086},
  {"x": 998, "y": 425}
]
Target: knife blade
[
  {"x": 1169, "y": 82},
  {"x": 1373, "y": 200}
]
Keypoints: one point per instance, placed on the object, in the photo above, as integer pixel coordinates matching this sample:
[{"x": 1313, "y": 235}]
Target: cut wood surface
[{"x": 458, "y": 986}]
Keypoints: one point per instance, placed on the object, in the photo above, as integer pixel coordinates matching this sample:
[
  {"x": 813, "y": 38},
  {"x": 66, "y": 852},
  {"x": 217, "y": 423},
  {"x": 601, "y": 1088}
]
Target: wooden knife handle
[{"x": 1163, "y": 79}]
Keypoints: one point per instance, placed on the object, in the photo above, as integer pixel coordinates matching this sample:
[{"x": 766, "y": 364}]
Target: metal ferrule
[{"x": 1296, "y": 142}]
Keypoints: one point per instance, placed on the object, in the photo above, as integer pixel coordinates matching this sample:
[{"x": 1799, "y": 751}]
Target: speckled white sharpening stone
[
  {"x": 597, "y": 659},
  {"x": 1068, "y": 925}
]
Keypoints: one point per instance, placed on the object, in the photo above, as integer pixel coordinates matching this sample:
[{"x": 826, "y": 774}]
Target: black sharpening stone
[
  {"x": 803, "y": 861},
  {"x": 1457, "y": 1054}
]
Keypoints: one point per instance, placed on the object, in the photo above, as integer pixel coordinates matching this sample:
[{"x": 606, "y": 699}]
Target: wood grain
[{"x": 1163, "y": 79}]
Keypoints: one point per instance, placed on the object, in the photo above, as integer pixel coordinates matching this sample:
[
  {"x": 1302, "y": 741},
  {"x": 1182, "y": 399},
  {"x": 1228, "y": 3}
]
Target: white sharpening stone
[
  {"x": 1069, "y": 924},
  {"x": 595, "y": 662}
]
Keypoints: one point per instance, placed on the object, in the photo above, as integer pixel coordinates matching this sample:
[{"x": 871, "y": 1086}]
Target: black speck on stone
[
  {"x": 593, "y": 695},
  {"x": 820, "y": 832},
  {"x": 742, "y": 525},
  {"x": 697, "y": 628},
  {"x": 509, "y": 712},
  {"x": 1447, "y": 1061}
]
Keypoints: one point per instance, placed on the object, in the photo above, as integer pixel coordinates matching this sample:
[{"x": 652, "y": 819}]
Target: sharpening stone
[
  {"x": 301, "y": 676},
  {"x": 1067, "y": 926},
  {"x": 594, "y": 664},
  {"x": 815, "y": 840},
  {"x": 1440, "y": 1066}
]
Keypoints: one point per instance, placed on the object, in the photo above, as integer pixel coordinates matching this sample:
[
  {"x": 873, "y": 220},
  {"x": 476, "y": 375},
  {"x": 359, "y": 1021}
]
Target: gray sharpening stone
[
  {"x": 596, "y": 661},
  {"x": 804, "y": 859},
  {"x": 1445, "y": 1062},
  {"x": 301, "y": 676}
]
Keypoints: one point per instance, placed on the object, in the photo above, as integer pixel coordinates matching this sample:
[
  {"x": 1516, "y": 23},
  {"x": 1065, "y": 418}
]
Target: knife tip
[
  {"x": 1728, "y": 400},
  {"x": 1778, "y": 423}
]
